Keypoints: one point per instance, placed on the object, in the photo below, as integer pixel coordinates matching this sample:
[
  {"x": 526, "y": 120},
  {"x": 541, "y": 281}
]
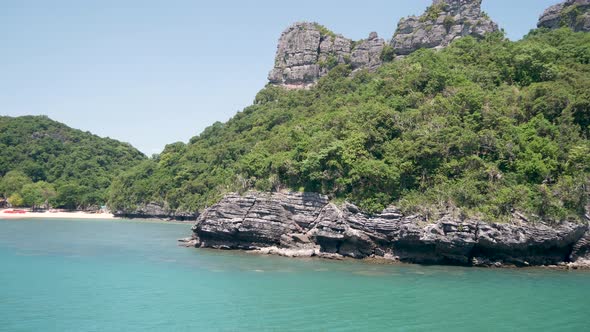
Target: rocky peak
[
  {"x": 307, "y": 51},
  {"x": 574, "y": 14},
  {"x": 443, "y": 22},
  {"x": 455, "y": 7}
]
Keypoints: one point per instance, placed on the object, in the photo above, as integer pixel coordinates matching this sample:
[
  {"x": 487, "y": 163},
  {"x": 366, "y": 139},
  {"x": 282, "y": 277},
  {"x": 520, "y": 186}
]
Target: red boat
[{"x": 15, "y": 211}]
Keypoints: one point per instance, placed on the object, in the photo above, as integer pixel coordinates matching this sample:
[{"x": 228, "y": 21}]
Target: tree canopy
[
  {"x": 484, "y": 127},
  {"x": 42, "y": 160}
]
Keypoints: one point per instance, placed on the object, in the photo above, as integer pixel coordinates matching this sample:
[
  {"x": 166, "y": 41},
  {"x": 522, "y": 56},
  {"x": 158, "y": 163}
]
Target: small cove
[{"x": 95, "y": 275}]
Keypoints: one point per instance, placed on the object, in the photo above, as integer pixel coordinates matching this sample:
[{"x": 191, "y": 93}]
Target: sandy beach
[{"x": 53, "y": 215}]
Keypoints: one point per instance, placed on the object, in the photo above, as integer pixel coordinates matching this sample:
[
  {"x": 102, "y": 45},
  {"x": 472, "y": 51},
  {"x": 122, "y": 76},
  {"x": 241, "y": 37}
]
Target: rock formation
[
  {"x": 306, "y": 224},
  {"x": 367, "y": 52},
  {"x": 307, "y": 51},
  {"x": 570, "y": 13},
  {"x": 156, "y": 211},
  {"x": 443, "y": 22}
]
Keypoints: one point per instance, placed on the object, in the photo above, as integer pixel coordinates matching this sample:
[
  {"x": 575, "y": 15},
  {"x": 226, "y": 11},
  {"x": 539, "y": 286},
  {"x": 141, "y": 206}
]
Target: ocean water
[{"x": 91, "y": 275}]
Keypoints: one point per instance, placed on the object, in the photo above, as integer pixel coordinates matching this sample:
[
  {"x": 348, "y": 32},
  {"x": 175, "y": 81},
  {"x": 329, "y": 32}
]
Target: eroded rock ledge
[
  {"x": 157, "y": 211},
  {"x": 306, "y": 224}
]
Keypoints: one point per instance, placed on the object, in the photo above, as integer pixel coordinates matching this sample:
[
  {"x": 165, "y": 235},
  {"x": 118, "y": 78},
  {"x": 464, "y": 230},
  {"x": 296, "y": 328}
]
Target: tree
[
  {"x": 38, "y": 194},
  {"x": 13, "y": 182},
  {"x": 69, "y": 196},
  {"x": 16, "y": 200},
  {"x": 485, "y": 126},
  {"x": 36, "y": 148}
]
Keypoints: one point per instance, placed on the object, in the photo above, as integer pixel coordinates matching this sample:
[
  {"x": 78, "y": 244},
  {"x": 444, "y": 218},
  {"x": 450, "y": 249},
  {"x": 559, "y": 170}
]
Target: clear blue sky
[{"x": 156, "y": 72}]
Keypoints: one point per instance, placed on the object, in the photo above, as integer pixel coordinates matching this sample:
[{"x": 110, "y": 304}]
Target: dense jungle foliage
[
  {"x": 43, "y": 162},
  {"x": 482, "y": 127}
]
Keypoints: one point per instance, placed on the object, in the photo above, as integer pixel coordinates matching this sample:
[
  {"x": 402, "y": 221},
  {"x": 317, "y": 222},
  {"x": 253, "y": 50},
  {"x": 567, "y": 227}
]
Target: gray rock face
[
  {"x": 443, "y": 22},
  {"x": 253, "y": 221},
  {"x": 303, "y": 54},
  {"x": 367, "y": 53},
  {"x": 307, "y": 51},
  {"x": 581, "y": 250},
  {"x": 570, "y": 13},
  {"x": 156, "y": 211},
  {"x": 297, "y": 224}
]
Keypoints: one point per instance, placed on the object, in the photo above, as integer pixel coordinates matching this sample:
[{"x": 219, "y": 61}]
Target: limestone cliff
[
  {"x": 443, "y": 22},
  {"x": 306, "y": 224},
  {"x": 307, "y": 51},
  {"x": 574, "y": 14}
]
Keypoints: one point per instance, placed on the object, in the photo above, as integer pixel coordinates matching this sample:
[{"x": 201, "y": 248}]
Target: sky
[{"x": 156, "y": 72}]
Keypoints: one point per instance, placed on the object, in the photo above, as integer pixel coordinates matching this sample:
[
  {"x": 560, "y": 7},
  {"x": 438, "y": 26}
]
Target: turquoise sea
[{"x": 91, "y": 275}]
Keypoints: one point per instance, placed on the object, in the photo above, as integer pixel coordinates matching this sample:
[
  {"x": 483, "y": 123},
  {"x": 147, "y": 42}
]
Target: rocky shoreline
[
  {"x": 309, "y": 225},
  {"x": 154, "y": 211}
]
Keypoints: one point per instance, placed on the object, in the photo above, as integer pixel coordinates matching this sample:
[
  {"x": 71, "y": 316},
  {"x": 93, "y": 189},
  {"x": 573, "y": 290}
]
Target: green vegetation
[
  {"x": 43, "y": 162},
  {"x": 388, "y": 53},
  {"x": 329, "y": 63},
  {"x": 481, "y": 127},
  {"x": 325, "y": 32},
  {"x": 16, "y": 200},
  {"x": 38, "y": 194},
  {"x": 572, "y": 16},
  {"x": 448, "y": 22},
  {"x": 13, "y": 182},
  {"x": 433, "y": 12}
]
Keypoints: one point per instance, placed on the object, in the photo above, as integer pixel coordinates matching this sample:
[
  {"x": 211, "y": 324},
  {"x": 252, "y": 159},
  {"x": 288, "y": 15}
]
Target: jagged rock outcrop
[
  {"x": 304, "y": 53},
  {"x": 306, "y": 224},
  {"x": 367, "y": 53},
  {"x": 443, "y": 22},
  {"x": 570, "y": 13},
  {"x": 307, "y": 51},
  {"x": 156, "y": 211}
]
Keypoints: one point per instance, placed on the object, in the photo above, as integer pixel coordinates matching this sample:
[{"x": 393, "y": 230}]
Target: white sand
[{"x": 55, "y": 215}]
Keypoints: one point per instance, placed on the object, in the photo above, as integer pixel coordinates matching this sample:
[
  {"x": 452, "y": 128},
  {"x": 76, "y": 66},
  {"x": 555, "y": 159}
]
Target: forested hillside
[
  {"x": 43, "y": 161},
  {"x": 481, "y": 127}
]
